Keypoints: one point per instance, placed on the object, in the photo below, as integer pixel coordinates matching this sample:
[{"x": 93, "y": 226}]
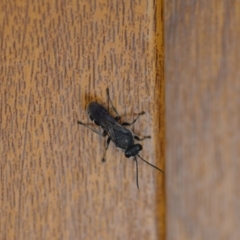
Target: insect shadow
[{"x": 116, "y": 131}]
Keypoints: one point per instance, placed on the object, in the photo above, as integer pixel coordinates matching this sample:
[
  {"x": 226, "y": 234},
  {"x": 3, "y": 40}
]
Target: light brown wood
[
  {"x": 202, "y": 119},
  {"x": 56, "y": 56}
]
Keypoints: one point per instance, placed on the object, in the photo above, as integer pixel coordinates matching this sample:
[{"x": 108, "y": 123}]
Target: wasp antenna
[
  {"x": 151, "y": 164},
  {"x": 136, "y": 172}
]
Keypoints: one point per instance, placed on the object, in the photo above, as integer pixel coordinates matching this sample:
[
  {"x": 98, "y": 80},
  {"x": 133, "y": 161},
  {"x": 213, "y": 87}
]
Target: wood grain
[
  {"x": 202, "y": 119},
  {"x": 56, "y": 56}
]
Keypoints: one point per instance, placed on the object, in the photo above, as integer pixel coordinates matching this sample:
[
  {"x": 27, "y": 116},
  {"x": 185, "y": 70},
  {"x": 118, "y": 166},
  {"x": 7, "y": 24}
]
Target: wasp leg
[
  {"x": 108, "y": 141},
  {"x": 85, "y": 125},
  {"x": 142, "y": 138},
  {"x": 129, "y": 124},
  {"x": 114, "y": 109},
  {"x": 117, "y": 118}
]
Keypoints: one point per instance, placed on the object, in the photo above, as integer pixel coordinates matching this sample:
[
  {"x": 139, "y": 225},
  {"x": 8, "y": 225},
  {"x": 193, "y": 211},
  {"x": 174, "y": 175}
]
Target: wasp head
[{"x": 133, "y": 150}]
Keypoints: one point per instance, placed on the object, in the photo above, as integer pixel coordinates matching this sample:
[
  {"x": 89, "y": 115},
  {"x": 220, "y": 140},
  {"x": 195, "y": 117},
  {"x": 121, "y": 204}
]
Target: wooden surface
[
  {"x": 202, "y": 119},
  {"x": 56, "y": 56}
]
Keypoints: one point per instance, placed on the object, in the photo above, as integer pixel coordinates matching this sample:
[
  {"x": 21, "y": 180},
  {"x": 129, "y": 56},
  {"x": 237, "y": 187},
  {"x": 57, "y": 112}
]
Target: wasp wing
[{"x": 111, "y": 127}]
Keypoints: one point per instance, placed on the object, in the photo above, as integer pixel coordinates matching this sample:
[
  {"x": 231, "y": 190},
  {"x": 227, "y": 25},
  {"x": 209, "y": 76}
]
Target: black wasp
[{"x": 116, "y": 132}]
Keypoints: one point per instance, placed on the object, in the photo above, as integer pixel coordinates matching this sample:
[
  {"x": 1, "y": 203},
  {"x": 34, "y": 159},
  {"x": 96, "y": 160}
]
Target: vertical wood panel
[
  {"x": 56, "y": 56},
  {"x": 202, "y": 119}
]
